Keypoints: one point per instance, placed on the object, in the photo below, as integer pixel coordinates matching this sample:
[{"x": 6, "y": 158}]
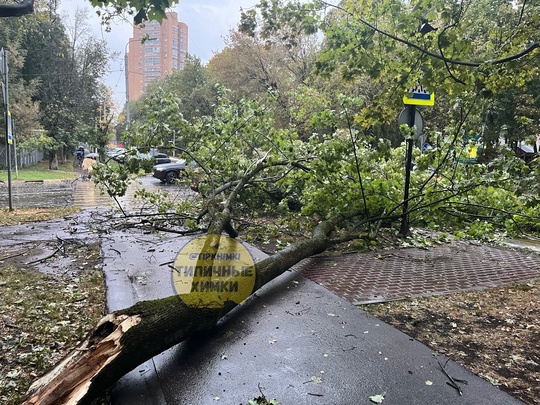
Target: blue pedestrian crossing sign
[
  {"x": 9, "y": 131},
  {"x": 419, "y": 96}
]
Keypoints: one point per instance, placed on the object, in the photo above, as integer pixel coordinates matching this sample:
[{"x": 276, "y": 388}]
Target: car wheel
[{"x": 171, "y": 177}]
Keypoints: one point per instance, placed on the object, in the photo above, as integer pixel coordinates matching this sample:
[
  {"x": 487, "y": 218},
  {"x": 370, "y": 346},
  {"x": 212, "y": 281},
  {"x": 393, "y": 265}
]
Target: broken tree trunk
[{"x": 124, "y": 339}]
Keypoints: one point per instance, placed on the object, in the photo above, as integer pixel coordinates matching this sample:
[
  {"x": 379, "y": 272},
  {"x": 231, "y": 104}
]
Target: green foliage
[
  {"x": 445, "y": 194},
  {"x": 160, "y": 120},
  {"x": 265, "y": 65},
  {"x": 347, "y": 170},
  {"x": 331, "y": 154},
  {"x": 114, "y": 178},
  {"x": 233, "y": 141},
  {"x": 477, "y": 51},
  {"x": 191, "y": 86},
  {"x": 54, "y": 79},
  {"x": 140, "y": 10},
  {"x": 262, "y": 400}
]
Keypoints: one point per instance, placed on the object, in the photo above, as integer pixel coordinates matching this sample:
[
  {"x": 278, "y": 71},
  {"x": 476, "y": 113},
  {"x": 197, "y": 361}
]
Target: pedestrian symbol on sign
[{"x": 419, "y": 96}]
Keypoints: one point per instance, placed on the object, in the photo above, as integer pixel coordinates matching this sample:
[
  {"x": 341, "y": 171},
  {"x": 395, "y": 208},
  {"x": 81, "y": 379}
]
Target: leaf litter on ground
[
  {"x": 44, "y": 316},
  {"x": 494, "y": 333}
]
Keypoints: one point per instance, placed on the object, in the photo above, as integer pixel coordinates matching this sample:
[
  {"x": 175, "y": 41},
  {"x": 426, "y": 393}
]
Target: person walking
[
  {"x": 79, "y": 156},
  {"x": 87, "y": 167}
]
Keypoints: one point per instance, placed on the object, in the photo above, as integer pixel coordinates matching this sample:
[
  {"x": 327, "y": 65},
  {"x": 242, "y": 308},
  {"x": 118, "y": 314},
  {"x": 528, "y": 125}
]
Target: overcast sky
[{"x": 209, "y": 22}]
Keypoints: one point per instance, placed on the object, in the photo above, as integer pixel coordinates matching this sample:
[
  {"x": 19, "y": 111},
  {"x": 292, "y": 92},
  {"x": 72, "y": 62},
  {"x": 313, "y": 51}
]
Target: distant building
[{"x": 161, "y": 54}]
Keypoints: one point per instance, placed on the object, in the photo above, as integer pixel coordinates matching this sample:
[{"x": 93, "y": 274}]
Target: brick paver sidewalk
[{"x": 410, "y": 272}]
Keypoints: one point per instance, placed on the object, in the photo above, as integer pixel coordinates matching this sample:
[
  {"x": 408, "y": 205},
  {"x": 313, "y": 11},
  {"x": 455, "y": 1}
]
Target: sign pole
[
  {"x": 404, "y": 230},
  {"x": 416, "y": 96},
  {"x": 7, "y": 115}
]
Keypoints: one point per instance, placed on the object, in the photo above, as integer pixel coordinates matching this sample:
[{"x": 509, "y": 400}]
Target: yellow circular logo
[{"x": 213, "y": 269}]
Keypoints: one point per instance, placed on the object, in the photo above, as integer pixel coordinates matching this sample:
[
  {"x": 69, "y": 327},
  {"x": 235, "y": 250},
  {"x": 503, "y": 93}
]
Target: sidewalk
[
  {"x": 33, "y": 194},
  {"x": 402, "y": 273}
]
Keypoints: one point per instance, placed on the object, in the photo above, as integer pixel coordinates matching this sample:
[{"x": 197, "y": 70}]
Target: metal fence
[{"x": 23, "y": 158}]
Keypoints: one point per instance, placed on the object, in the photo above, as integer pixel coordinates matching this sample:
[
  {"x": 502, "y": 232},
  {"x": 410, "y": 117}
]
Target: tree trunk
[
  {"x": 126, "y": 338},
  {"x": 53, "y": 160}
]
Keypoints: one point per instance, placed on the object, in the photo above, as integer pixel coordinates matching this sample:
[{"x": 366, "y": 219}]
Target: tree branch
[{"x": 518, "y": 55}]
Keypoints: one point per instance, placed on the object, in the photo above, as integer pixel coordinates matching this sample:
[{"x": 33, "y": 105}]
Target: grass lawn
[{"x": 41, "y": 171}]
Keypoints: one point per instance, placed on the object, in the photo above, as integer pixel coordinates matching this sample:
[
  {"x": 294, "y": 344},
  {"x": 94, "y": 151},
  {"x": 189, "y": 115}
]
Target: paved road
[
  {"x": 293, "y": 340},
  {"x": 88, "y": 195},
  {"x": 76, "y": 192},
  {"x": 38, "y": 194}
]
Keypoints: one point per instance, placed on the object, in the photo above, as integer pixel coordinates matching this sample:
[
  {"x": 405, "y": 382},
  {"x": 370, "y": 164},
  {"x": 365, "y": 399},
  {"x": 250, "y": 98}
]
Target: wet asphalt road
[
  {"x": 38, "y": 194},
  {"x": 78, "y": 193}
]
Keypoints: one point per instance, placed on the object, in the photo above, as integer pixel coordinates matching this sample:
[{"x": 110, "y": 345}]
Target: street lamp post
[
  {"x": 126, "y": 68},
  {"x": 127, "y": 87}
]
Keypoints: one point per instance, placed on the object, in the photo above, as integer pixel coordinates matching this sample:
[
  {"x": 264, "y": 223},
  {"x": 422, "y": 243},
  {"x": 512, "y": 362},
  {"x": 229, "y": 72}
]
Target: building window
[
  {"x": 152, "y": 50},
  {"x": 152, "y": 74},
  {"x": 148, "y": 80},
  {"x": 155, "y": 39},
  {"x": 151, "y": 61}
]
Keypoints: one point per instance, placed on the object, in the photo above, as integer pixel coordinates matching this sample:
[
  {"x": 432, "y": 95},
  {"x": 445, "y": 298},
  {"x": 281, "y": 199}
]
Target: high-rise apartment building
[{"x": 163, "y": 52}]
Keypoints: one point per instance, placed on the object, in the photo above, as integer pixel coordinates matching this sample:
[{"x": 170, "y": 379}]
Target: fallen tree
[{"x": 124, "y": 339}]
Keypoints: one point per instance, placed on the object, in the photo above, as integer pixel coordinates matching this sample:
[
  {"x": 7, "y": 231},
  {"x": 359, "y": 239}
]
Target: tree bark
[
  {"x": 124, "y": 339},
  {"x": 53, "y": 160}
]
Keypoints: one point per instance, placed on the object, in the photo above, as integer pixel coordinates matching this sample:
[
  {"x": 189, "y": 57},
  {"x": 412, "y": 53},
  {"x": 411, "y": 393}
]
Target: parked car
[
  {"x": 169, "y": 172},
  {"x": 115, "y": 153},
  {"x": 161, "y": 158},
  {"x": 157, "y": 158},
  {"x": 526, "y": 152}
]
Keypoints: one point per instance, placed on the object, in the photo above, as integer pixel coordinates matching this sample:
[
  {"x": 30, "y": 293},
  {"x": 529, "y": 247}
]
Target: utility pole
[{"x": 404, "y": 230}]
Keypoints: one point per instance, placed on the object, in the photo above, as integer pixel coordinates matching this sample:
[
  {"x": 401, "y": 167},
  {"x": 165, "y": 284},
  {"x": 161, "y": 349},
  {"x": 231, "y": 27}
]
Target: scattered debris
[
  {"x": 453, "y": 381},
  {"x": 377, "y": 399}
]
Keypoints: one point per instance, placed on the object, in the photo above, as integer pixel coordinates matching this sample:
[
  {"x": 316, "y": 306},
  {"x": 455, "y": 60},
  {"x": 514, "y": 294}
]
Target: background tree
[
  {"x": 25, "y": 111},
  {"x": 193, "y": 86},
  {"x": 251, "y": 65},
  {"x": 381, "y": 41},
  {"x": 160, "y": 121},
  {"x": 64, "y": 75},
  {"x": 103, "y": 131},
  {"x": 183, "y": 95}
]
